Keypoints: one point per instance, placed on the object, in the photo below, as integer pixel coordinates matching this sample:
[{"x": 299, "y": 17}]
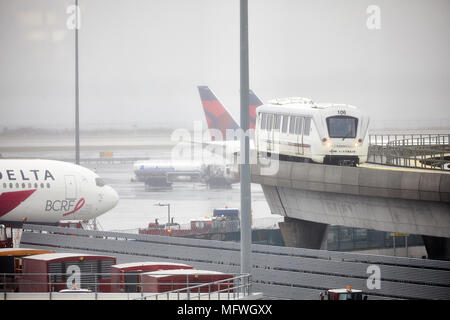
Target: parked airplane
[{"x": 47, "y": 191}]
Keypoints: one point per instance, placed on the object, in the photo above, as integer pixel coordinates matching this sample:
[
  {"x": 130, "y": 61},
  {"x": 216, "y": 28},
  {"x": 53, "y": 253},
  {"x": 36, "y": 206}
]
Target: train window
[
  {"x": 307, "y": 126},
  {"x": 292, "y": 125},
  {"x": 276, "y": 123},
  {"x": 263, "y": 120},
  {"x": 285, "y": 123},
  {"x": 298, "y": 125},
  {"x": 342, "y": 127},
  {"x": 269, "y": 121}
]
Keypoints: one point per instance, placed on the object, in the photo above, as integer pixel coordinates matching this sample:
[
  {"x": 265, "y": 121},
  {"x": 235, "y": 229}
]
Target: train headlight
[
  {"x": 326, "y": 142},
  {"x": 358, "y": 142}
]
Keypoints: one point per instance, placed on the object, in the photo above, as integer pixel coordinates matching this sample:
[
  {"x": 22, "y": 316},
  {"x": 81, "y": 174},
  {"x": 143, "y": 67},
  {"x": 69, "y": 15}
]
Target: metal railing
[
  {"x": 234, "y": 287},
  {"x": 283, "y": 272},
  {"x": 241, "y": 288},
  {"x": 417, "y": 139},
  {"x": 218, "y": 227},
  {"x": 425, "y": 151}
]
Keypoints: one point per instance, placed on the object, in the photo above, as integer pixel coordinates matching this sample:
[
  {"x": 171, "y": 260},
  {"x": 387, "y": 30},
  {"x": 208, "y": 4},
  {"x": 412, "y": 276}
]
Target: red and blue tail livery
[{"x": 216, "y": 115}]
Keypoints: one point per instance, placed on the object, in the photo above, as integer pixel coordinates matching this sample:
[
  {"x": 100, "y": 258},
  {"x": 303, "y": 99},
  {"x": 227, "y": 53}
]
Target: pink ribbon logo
[{"x": 78, "y": 206}]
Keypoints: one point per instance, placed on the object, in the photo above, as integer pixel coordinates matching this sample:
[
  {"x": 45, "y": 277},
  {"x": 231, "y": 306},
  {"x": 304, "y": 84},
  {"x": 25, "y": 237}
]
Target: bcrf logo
[{"x": 66, "y": 206}]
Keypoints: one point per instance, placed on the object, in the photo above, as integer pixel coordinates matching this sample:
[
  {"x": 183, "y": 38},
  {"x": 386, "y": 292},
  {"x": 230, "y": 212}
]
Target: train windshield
[{"x": 342, "y": 127}]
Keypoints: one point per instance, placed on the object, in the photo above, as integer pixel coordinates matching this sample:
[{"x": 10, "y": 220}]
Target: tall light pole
[
  {"x": 246, "y": 224},
  {"x": 77, "y": 93}
]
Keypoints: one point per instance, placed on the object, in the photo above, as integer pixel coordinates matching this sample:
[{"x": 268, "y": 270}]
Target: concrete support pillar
[
  {"x": 303, "y": 234},
  {"x": 437, "y": 248}
]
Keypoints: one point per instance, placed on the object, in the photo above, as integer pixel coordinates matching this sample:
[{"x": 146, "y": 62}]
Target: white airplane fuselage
[{"x": 47, "y": 191}]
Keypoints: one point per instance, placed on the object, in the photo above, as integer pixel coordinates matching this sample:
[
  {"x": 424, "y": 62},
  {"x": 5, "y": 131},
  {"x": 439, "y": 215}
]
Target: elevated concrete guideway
[{"x": 312, "y": 196}]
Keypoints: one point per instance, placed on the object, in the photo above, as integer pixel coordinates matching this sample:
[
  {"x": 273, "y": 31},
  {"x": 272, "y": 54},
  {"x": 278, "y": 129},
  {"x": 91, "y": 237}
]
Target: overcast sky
[{"x": 141, "y": 60}]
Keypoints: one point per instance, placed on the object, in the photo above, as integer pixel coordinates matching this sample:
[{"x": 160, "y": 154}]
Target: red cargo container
[
  {"x": 57, "y": 271},
  {"x": 169, "y": 280},
  {"x": 127, "y": 277},
  {"x": 11, "y": 265}
]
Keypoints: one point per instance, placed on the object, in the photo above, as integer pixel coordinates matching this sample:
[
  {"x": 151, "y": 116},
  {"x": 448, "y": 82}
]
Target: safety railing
[
  {"x": 200, "y": 227},
  {"x": 409, "y": 139},
  {"x": 183, "y": 229},
  {"x": 236, "y": 286},
  {"x": 227, "y": 289},
  {"x": 426, "y": 151}
]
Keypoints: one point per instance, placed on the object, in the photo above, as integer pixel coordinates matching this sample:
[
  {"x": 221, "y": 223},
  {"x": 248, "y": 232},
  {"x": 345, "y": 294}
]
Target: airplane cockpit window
[{"x": 99, "y": 182}]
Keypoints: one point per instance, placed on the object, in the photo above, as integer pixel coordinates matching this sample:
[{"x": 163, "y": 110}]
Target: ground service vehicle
[{"x": 342, "y": 294}]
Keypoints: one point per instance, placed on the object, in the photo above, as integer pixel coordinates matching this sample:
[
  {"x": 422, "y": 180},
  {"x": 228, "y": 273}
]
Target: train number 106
[{"x": 341, "y": 112}]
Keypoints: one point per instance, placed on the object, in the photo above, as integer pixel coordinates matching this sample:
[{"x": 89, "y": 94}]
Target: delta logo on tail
[{"x": 218, "y": 117}]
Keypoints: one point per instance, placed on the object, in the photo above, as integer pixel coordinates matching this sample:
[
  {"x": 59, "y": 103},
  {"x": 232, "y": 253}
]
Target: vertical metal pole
[
  {"x": 406, "y": 245},
  {"x": 393, "y": 239},
  {"x": 246, "y": 225},
  {"x": 168, "y": 213},
  {"x": 77, "y": 102}
]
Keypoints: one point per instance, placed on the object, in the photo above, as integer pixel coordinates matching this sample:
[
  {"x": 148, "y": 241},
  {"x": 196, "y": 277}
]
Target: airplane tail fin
[
  {"x": 253, "y": 103},
  {"x": 216, "y": 114}
]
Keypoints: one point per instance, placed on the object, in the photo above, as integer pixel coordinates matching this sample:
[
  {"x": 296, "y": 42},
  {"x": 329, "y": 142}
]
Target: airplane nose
[
  {"x": 112, "y": 198},
  {"x": 115, "y": 197}
]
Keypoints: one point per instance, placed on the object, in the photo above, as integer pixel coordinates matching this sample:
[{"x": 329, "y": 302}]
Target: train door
[
  {"x": 291, "y": 138},
  {"x": 283, "y": 134},
  {"x": 276, "y": 133},
  {"x": 299, "y": 135},
  {"x": 269, "y": 128},
  {"x": 306, "y": 138}
]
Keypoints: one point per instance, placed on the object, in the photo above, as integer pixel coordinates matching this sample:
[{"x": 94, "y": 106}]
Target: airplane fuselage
[{"x": 47, "y": 191}]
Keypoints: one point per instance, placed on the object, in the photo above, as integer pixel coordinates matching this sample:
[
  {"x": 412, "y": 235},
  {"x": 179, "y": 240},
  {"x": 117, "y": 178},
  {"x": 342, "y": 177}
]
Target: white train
[{"x": 297, "y": 129}]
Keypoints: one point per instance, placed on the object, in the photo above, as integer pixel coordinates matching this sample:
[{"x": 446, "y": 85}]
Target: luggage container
[
  {"x": 6, "y": 236},
  {"x": 127, "y": 277},
  {"x": 11, "y": 265},
  {"x": 169, "y": 280},
  {"x": 58, "y": 271}
]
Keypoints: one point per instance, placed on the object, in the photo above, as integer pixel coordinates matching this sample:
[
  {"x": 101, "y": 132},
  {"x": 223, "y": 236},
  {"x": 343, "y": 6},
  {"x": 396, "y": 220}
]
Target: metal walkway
[
  {"x": 426, "y": 151},
  {"x": 278, "y": 272}
]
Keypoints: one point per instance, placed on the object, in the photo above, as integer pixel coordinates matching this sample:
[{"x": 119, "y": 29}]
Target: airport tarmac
[{"x": 136, "y": 207}]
